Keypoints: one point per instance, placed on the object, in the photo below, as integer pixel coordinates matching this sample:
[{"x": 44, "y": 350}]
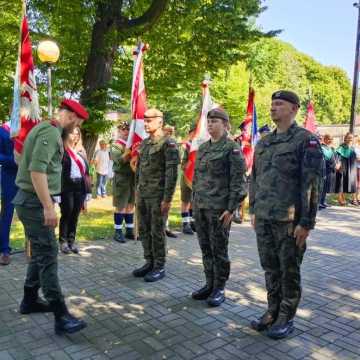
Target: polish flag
[
  {"x": 25, "y": 112},
  {"x": 201, "y": 133},
  {"x": 310, "y": 118},
  {"x": 138, "y": 102}
]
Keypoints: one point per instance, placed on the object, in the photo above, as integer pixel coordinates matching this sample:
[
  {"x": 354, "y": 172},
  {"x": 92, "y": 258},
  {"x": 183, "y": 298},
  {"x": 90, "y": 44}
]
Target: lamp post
[
  {"x": 48, "y": 53},
  {"x": 356, "y": 73}
]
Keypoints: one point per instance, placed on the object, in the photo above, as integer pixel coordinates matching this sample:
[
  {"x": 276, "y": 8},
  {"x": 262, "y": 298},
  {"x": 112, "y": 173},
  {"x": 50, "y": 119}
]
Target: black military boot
[
  {"x": 264, "y": 322},
  {"x": 170, "y": 234},
  {"x": 155, "y": 275},
  {"x": 203, "y": 293},
  {"x": 119, "y": 236},
  {"x": 142, "y": 271},
  {"x": 281, "y": 328},
  {"x": 216, "y": 298},
  {"x": 65, "y": 323},
  {"x": 129, "y": 234},
  {"x": 32, "y": 303},
  {"x": 186, "y": 229}
]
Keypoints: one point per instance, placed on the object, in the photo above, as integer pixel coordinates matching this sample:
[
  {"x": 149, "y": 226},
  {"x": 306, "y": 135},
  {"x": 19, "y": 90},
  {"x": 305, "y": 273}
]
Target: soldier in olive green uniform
[
  {"x": 218, "y": 188},
  {"x": 284, "y": 195},
  {"x": 123, "y": 186},
  {"x": 39, "y": 182},
  {"x": 156, "y": 176}
]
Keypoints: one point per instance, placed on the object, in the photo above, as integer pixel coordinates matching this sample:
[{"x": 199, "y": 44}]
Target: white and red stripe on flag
[
  {"x": 26, "y": 112},
  {"x": 201, "y": 133},
  {"x": 138, "y": 101},
  {"x": 310, "y": 119}
]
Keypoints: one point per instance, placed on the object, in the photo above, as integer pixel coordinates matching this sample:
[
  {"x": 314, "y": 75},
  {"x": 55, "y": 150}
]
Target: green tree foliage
[{"x": 275, "y": 65}]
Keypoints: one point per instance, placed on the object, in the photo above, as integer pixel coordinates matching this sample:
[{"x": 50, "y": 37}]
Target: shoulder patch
[
  {"x": 172, "y": 144},
  {"x": 236, "y": 151},
  {"x": 313, "y": 143}
]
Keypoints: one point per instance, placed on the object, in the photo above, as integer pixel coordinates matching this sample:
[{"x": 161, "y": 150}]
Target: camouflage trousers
[
  {"x": 213, "y": 240},
  {"x": 42, "y": 271},
  {"x": 281, "y": 260},
  {"x": 152, "y": 230}
]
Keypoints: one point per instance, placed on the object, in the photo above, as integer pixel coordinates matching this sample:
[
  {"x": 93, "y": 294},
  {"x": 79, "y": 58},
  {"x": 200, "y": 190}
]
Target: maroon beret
[{"x": 75, "y": 107}]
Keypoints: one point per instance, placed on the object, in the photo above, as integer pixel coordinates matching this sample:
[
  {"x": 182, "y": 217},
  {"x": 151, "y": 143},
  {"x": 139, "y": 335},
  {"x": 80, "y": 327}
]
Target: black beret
[
  {"x": 289, "y": 96},
  {"x": 219, "y": 114},
  {"x": 124, "y": 125}
]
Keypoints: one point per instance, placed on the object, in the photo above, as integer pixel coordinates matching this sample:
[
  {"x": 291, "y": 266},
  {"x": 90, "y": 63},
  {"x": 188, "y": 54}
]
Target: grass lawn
[{"x": 97, "y": 223}]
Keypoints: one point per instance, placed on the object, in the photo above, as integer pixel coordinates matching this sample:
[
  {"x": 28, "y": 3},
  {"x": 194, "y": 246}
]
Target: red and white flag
[
  {"x": 25, "y": 112},
  {"x": 138, "y": 102},
  {"x": 201, "y": 133},
  {"x": 310, "y": 118}
]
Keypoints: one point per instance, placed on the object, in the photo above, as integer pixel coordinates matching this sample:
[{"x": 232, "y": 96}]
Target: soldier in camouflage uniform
[
  {"x": 155, "y": 180},
  {"x": 218, "y": 189},
  {"x": 284, "y": 194},
  {"x": 123, "y": 186},
  {"x": 39, "y": 182}
]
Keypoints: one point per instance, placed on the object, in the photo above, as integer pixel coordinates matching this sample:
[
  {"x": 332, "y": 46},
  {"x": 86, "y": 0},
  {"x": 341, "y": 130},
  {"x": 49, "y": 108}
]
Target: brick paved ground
[{"x": 129, "y": 319}]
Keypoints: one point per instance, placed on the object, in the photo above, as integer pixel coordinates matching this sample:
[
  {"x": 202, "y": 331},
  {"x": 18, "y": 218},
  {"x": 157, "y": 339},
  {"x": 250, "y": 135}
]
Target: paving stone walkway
[{"x": 130, "y": 319}]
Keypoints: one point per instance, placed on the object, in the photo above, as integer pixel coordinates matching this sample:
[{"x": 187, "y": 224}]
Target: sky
[{"x": 323, "y": 29}]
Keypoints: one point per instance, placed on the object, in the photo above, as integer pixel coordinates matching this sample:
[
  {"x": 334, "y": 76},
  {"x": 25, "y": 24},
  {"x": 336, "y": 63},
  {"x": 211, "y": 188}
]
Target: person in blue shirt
[{"x": 8, "y": 190}]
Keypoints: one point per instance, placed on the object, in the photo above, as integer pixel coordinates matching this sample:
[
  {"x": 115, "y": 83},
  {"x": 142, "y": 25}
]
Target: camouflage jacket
[
  {"x": 219, "y": 179},
  {"x": 286, "y": 178},
  {"x": 157, "y": 168},
  {"x": 120, "y": 167}
]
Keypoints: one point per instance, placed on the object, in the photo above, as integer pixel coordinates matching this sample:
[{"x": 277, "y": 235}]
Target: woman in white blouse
[{"x": 75, "y": 192}]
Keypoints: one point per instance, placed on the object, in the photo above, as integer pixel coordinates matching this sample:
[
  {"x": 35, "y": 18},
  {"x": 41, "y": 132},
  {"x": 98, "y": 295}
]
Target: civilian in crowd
[
  {"x": 102, "y": 163},
  {"x": 75, "y": 190},
  {"x": 346, "y": 173},
  {"x": 330, "y": 169},
  {"x": 357, "y": 152}
]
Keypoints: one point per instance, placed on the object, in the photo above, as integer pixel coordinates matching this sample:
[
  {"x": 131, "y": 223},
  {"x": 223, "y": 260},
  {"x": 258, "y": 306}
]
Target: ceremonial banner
[
  {"x": 310, "y": 118},
  {"x": 25, "y": 112},
  {"x": 201, "y": 134},
  {"x": 250, "y": 135},
  {"x": 138, "y": 102}
]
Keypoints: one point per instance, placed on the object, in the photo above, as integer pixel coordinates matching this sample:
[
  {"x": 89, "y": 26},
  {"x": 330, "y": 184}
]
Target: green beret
[
  {"x": 288, "y": 96},
  {"x": 219, "y": 114}
]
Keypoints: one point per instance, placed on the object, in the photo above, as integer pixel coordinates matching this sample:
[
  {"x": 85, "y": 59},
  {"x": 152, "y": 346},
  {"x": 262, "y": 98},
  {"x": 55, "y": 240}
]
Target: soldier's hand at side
[
  {"x": 301, "y": 235},
  {"x": 226, "y": 218},
  {"x": 165, "y": 207},
  {"x": 50, "y": 217},
  {"x": 252, "y": 220}
]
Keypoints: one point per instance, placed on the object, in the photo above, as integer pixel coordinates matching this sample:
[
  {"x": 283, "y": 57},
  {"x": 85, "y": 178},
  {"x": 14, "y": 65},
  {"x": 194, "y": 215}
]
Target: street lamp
[
  {"x": 48, "y": 53},
  {"x": 356, "y": 73}
]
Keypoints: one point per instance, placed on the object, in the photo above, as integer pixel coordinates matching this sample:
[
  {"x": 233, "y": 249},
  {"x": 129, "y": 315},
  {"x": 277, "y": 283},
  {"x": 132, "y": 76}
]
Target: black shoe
[
  {"x": 327, "y": 205},
  {"x": 216, "y": 298},
  {"x": 129, "y": 234},
  {"x": 32, "y": 303},
  {"x": 141, "y": 272},
  {"x": 170, "y": 234},
  {"x": 263, "y": 323},
  {"x": 65, "y": 248},
  {"x": 281, "y": 328},
  {"x": 155, "y": 275},
  {"x": 192, "y": 225},
  {"x": 73, "y": 248},
  {"x": 202, "y": 294},
  {"x": 322, "y": 206},
  {"x": 186, "y": 229},
  {"x": 119, "y": 236},
  {"x": 65, "y": 323}
]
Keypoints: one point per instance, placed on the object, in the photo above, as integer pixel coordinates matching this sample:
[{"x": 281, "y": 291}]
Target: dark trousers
[
  {"x": 42, "y": 269},
  {"x": 8, "y": 191},
  {"x": 152, "y": 230},
  {"x": 323, "y": 192},
  {"x": 281, "y": 260},
  {"x": 71, "y": 204},
  {"x": 213, "y": 240}
]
